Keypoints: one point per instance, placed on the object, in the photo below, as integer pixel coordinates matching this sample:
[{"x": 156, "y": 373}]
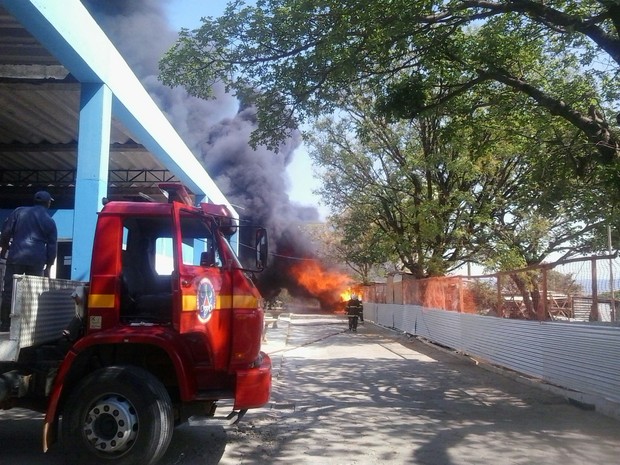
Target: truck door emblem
[{"x": 206, "y": 299}]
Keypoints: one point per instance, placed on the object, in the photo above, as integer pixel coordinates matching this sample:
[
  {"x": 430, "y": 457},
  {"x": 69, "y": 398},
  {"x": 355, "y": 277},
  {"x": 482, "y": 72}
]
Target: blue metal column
[{"x": 92, "y": 172}]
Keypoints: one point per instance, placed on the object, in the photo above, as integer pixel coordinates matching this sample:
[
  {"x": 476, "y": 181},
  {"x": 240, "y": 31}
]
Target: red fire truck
[{"x": 169, "y": 324}]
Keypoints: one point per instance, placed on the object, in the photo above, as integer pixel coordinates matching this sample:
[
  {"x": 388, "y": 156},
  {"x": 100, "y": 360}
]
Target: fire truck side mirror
[{"x": 262, "y": 248}]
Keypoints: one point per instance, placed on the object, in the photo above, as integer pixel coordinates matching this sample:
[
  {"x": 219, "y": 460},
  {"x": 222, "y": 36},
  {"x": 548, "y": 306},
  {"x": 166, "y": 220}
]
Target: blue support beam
[{"x": 92, "y": 172}]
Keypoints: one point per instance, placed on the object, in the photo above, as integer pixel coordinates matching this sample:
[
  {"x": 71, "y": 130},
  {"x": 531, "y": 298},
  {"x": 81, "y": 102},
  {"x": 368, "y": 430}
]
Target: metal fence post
[
  {"x": 594, "y": 316},
  {"x": 542, "y": 305},
  {"x": 500, "y": 307}
]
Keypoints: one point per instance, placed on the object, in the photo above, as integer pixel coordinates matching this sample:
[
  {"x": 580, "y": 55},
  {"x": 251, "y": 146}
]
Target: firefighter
[{"x": 354, "y": 311}]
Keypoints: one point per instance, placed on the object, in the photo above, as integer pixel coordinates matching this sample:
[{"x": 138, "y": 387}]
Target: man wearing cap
[{"x": 28, "y": 243}]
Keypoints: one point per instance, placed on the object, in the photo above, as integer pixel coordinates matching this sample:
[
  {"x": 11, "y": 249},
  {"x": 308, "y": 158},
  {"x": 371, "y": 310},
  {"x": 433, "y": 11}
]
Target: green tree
[
  {"x": 564, "y": 283},
  {"x": 351, "y": 244},
  {"x": 498, "y": 105},
  {"x": 297, "y": 58},
  {"x": 461, "y": 186},
  {"x": 484, "y": 294},
  {"x": 379, "y": 174},
  {"x": 429, "y": 187},
  {"x": 361, "y": 244}
]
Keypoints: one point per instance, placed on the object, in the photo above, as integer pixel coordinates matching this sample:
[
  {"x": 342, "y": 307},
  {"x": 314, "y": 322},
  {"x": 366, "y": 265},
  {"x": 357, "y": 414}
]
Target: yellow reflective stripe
[
  {"x": 188, "y": 303},
  {"x": 245, "y": 301},
  {"x": 222, "y": 301},
  {"x": 101, "y": 300}
]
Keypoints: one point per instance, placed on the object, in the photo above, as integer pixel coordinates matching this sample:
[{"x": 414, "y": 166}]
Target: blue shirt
[{"x": 32, "y": 235}]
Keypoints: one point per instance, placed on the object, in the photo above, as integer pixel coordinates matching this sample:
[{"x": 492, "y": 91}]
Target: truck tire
[{"x": 119, "y": 415}]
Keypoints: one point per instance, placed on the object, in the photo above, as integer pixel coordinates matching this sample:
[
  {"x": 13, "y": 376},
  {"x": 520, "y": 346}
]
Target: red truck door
[{"x": 202, "y": 284}]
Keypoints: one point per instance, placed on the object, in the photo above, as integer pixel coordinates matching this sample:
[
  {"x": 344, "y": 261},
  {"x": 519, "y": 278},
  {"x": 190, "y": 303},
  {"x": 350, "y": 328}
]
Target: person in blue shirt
[{"x": 28, "y": 243}]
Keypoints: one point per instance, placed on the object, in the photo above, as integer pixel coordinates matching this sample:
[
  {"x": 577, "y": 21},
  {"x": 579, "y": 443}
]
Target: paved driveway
[{"x": 376, "y": 397}]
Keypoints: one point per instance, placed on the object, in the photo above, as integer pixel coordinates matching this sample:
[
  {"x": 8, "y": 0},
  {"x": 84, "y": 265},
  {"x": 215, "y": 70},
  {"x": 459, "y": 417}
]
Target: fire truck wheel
[{"x": 117, "y": 415}]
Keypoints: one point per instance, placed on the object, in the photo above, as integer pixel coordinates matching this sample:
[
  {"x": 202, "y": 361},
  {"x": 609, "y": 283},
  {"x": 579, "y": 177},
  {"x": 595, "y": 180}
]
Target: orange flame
[
  {"x": 350, "y": 292},
  {"x": 320, "y": 282}
]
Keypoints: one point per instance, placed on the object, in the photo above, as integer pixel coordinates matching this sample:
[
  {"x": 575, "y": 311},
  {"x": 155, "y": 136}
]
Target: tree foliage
[
  {"x": 297, "y": 58},
  {"x": 353, "y": 240},
  {"x": 457, "y": 187},
  {"x": 459, "y": 125}
]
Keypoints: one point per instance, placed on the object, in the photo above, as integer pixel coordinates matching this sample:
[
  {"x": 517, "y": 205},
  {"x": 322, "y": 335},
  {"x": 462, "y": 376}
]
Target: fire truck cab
[{"x": 169, "y": 324}]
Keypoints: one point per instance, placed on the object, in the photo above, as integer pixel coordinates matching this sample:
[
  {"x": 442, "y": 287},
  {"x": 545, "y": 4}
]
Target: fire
[
  {"x": 328, "y": 286},
  {"x": 350, "y": 292}
]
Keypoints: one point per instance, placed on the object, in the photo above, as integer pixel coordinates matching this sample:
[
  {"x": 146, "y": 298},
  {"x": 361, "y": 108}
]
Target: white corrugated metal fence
[{"x": 575, "y": 356}]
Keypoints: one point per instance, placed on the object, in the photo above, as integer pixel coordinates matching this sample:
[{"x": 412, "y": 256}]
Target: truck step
[{"x": 217, "y": 420}]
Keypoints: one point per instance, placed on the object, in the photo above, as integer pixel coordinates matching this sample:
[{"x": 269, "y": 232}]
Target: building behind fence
[{"x": 581, "y": 289}]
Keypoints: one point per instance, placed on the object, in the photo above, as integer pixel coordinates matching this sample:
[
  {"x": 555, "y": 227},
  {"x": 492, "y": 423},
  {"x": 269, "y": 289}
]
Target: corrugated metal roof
[
  {"x": 17, "y": 46},
  {"x": 39, "y": 109}
]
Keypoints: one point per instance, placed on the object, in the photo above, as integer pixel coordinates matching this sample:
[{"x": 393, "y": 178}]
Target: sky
[{"x": 187, "y": 13}]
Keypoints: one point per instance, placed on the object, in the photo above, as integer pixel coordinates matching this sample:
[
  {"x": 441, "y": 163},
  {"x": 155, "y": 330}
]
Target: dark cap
[{"x": 43, "y": 196}]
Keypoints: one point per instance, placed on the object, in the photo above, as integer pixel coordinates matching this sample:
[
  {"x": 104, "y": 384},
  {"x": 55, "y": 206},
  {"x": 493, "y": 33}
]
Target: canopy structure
[{"x": 75, "y": 120}]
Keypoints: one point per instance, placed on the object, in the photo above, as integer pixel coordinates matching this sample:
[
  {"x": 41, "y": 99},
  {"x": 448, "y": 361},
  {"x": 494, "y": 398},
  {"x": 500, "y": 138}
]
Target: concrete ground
[{"x": 376, "y": 397}]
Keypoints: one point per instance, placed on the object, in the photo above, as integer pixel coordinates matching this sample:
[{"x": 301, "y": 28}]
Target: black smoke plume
[{"x": 217, "y": 131}]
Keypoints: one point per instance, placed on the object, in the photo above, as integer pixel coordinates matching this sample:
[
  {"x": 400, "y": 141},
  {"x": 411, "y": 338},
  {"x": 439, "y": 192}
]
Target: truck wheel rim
[{"x": 111, "y": 424}]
